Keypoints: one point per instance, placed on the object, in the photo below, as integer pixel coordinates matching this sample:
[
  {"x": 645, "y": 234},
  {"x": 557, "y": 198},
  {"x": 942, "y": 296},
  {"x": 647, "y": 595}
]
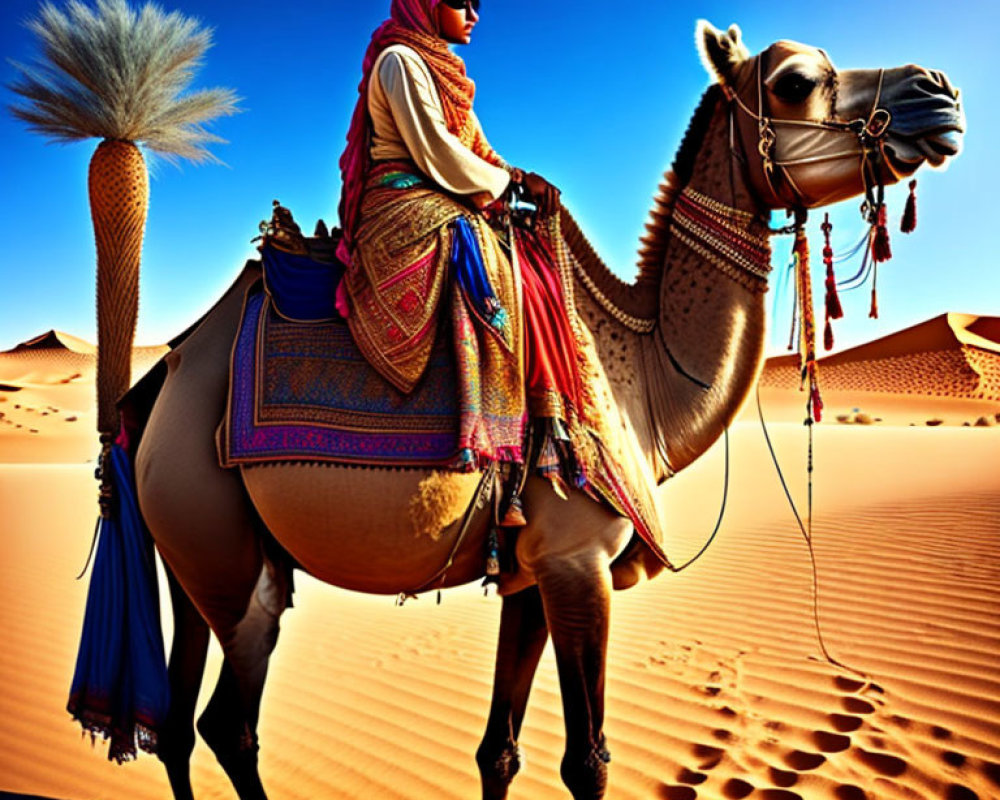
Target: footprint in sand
[
  {"x": 953, "y": 759},
  {"x": 940, "y": 733},
  {"x": 801, "y": 761},
  {"x": 956, "y": 792},
  {"x": 736, "y": 789},
  {"x": 858, "y": 705},
  {"x": 691, "y": 778},
  {"x": 667, "y": 792},
  {"x": 882, "y": 763},
  {"x": 709, "y": 756},
  {"x": 850, "y": 792},
  {"x": 783, "y": 778},
  {"x": 845, "y": 723},
  {"x": 831, "y": 742}
]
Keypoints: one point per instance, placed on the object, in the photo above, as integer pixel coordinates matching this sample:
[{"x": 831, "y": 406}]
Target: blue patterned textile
[
  {"x": 467, "y": 261},
  {"x": 302, "y": 288},
  {"x": 306, "y": 393},
  {"x": 120, "y": 687}
]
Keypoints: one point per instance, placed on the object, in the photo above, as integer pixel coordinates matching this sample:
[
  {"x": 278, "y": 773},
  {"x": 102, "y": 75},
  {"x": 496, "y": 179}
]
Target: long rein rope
[
  {"x": 807, "y": 534},
  {"x": 804, "y": 528}
]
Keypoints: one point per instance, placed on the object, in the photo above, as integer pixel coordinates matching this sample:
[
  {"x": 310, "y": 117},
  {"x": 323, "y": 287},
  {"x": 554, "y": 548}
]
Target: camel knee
[
  {"x": 175, "y": 742},
  {"x": 252, "y": 640}
]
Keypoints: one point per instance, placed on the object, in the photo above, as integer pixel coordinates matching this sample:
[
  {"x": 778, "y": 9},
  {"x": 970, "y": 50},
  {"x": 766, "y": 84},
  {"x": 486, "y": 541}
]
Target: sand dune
[
  {"x": 47, "y": 398},
  {"x": 951, "y": 362},
  {"x": 717, "y": 686}
]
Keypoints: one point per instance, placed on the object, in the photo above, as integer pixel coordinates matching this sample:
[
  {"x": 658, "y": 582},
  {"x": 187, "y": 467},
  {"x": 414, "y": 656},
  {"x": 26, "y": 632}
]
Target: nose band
[{"x": 807, "y": 145}]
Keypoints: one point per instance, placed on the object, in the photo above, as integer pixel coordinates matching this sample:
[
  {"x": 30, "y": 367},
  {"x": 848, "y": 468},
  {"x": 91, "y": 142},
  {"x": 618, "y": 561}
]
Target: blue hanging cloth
[
  {"x": 120, "y": 687},
  {"x": 467, "y": 261}
]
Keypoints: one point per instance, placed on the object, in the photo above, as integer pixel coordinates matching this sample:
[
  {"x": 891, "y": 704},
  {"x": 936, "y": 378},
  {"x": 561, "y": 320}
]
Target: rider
[{"x": 418, "y": 174}]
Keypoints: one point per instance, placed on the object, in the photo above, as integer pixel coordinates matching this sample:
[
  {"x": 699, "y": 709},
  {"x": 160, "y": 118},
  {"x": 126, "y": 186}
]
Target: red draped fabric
[{"x": 552, "y": 365}]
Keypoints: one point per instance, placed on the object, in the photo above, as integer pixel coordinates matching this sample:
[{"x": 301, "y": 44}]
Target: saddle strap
[{"x": 480, "y": 499}]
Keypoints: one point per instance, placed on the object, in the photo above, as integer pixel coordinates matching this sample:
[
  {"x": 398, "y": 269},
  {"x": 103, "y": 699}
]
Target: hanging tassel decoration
[
  {"x": 807, "y": 323},
  {"x": 492, "y": 558},
  {"x": 832, "y": 307},
  {"x": 873, "y": 311},
  {"x": 909, "y": 222},
  {"x": 514, "y": 516},
  {"x": 881, "y": 250}
]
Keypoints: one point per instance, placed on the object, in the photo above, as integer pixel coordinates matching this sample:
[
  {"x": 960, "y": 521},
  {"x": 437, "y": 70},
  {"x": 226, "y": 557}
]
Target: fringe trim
[{"x": 123, "y": 746}]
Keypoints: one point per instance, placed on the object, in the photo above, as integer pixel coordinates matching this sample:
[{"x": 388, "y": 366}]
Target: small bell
[
  {"x": 514, "y": 516},
  {"x": 492, "y": 557}
]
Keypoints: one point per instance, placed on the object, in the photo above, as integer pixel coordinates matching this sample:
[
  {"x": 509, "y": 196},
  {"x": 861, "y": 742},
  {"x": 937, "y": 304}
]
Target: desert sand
[{"x": 717, "y": 685}]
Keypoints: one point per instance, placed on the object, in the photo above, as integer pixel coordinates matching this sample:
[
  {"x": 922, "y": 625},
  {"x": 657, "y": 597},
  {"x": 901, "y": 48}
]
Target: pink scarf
[{"x": 413, "y": 23}]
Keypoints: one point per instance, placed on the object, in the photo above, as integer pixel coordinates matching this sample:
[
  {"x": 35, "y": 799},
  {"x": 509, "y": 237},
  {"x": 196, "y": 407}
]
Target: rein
[{"x": 807, "y": 535}]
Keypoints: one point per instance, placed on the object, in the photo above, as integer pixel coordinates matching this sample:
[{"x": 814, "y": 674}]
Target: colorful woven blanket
[{"x": 304, "y": 392}]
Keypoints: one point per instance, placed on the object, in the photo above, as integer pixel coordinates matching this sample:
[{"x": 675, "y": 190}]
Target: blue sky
[{"x": 595, "y": 96}]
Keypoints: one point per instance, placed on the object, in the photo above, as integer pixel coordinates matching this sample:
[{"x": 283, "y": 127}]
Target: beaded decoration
[{"x": 725, "y": 237}]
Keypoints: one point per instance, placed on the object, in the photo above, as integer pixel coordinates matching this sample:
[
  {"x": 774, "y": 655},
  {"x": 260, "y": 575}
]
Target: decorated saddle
[
  {"x": 303, "y": 389},
  {"x": 305, "y": 392}
]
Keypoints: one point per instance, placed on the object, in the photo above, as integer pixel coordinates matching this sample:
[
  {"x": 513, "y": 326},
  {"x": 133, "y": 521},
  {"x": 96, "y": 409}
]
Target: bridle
[{"x": 867, "y": 137}]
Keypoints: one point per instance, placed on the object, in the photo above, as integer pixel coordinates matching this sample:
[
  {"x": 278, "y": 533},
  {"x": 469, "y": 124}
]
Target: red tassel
[
  {"x": 873, "y": 312},
  {"x": 816, "y": 404},
  {"x": 881, "y": 250},
  {"x": 909, "y": 222},
  {"x": 833, "y": 309}
]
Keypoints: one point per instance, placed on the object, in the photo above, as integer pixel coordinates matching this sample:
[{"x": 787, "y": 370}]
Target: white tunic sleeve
[{"x": 413, "y": 103}]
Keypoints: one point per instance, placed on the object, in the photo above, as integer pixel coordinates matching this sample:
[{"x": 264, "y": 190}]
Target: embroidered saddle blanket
[{"x": 305, "y": 392}]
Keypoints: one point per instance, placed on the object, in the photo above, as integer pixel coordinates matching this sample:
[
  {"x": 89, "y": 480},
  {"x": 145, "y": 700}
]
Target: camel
[{"x": 680, "y": 348}]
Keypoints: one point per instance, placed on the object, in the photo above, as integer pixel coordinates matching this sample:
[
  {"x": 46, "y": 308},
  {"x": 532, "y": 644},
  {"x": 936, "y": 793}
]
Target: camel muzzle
[{"x": 927, "y": 118}]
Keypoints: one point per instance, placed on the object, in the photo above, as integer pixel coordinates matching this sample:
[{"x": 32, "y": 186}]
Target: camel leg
[
  {"x": 185, "y": 672},
  {"x": 522, "y": 639},
  {"x": 568, "y": 547},
  {"x": 577, "y": 600},
  {"x": 229, "y": 721}
]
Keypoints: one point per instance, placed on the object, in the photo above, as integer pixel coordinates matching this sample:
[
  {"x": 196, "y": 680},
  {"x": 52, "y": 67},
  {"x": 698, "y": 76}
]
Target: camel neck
[
  {"x": 716, "y": 214},
  {"x": 727, "y": 238}
]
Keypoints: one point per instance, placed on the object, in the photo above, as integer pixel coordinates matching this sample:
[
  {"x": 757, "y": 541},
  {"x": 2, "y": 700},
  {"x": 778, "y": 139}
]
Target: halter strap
[{"x": 869, "y": 132}]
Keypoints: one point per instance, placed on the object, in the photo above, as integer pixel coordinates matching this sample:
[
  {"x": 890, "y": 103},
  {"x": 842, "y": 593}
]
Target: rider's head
[
  {"x": 456, "y": 19},
  {"x": 452, "y": 20}
]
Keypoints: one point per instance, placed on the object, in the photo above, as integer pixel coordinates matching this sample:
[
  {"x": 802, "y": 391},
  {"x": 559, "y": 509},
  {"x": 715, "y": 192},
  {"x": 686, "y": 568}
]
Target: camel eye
[{"x": 793, "y": 87}]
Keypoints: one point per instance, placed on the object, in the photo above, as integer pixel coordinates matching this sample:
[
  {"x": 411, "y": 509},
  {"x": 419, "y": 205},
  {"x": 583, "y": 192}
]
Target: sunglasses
[{"x": 463, "y": 5}]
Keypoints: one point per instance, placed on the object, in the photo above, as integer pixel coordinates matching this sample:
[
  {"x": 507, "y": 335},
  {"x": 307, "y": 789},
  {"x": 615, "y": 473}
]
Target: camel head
[{"x": 809, "y": 135}]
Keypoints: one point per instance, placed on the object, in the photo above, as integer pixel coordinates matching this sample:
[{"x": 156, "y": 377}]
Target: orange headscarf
[{"x": 412, "y": 23}]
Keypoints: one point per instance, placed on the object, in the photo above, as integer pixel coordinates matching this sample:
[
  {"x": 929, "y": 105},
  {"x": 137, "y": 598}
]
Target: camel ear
[{"x": 720, "y": 52}]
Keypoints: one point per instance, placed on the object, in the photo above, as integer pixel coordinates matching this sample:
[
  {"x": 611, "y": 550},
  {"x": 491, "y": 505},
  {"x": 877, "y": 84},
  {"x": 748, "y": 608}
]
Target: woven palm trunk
[{"x": 119, "y": 195}]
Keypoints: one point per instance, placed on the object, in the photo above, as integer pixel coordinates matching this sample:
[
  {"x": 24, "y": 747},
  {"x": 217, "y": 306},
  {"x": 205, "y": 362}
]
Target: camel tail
[{"x": 120, "y": 689}]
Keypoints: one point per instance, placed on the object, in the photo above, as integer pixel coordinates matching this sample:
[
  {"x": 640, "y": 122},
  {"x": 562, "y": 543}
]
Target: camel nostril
[{"x": 942, "y": 80}]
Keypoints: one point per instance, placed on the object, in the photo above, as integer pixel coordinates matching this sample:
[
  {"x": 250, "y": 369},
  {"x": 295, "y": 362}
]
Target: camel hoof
[
  {"x": 587, "y": 779},
  {"x": 497, "y": 773}
]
